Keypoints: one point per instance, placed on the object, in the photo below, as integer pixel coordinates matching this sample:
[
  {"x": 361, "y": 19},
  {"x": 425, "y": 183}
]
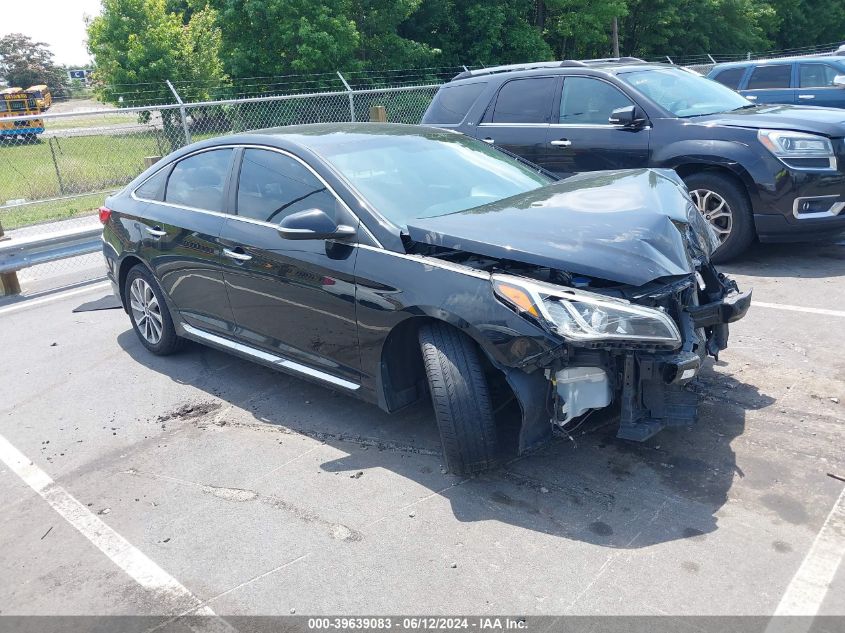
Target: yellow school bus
[
  {"x": 42, "y": 96},
  {"x": 15, "y": 102}
]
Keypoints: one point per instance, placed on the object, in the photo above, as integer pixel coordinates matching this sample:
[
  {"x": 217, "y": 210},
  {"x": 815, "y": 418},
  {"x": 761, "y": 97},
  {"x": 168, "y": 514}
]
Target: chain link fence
[{"x": 67, "y": 171}]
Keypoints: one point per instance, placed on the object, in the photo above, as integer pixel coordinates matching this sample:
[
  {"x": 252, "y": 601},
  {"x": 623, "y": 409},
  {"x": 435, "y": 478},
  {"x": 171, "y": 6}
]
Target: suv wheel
[
  {"x": 149, "y": 314},
  {"x": 724, "y": 204},
  {"x": 460, "y": 397}
]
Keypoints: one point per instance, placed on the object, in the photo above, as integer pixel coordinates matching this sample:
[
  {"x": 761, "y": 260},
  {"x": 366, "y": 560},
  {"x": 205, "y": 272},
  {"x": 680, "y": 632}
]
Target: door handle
[
  {"x": 238, "y": 257},
  {"x": 563, "y": 142},
  {"x": 488, "y": 140},
  {"x": 806, "y": 96},
  {"x": 750, "y": 97},
  {"x": 156, "y": 232}
]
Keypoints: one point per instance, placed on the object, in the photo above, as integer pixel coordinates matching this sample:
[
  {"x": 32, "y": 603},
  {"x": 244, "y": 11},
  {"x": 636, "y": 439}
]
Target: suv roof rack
[{"x": 567, "y": 63}]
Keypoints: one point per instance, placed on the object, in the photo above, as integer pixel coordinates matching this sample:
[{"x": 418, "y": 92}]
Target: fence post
[
  {"x": 182, "y": 113},
  {"x": 351, "y": 99},
  {"x": 9, "y": 284},
  {"x": 378, "y": 114},
  {"x": 56, "y": 167}
]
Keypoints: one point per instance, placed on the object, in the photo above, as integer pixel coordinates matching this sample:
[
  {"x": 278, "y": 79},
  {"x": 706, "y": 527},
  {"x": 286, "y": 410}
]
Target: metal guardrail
[{"x": 17, "y": 254}]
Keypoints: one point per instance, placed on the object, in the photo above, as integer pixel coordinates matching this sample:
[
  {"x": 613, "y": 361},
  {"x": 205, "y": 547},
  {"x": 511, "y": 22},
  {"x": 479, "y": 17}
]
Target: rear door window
[
  {"x": 589, "y": 101},
  {"x": 768, "y": 77},
  {"x": 816, "y": 75},
  {"x": 274, "y": 185},
  {"x": 525, "y": 101},
  {"x": 153, "y": 187},
  {"x": 199, "y": 181},
  {"x": 730, "y": 77},
  {"x": 451, "y": 103}
]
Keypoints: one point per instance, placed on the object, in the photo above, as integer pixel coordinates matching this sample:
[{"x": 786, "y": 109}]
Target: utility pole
[{"x": 615, "y": 31}]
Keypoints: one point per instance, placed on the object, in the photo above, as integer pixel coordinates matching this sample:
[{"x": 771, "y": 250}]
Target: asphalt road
[{"x": 202, "y": 483}]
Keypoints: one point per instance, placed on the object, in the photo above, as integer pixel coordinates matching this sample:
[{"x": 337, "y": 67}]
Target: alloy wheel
[
  {"x": 146, "y": 311},
  {"x": 715, "y": 210}
]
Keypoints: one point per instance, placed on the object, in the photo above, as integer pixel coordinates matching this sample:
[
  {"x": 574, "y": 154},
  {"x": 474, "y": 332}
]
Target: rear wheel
[
  {"x": 461, "y": 398},
  {"x": 724, "y": 204},
  {"x": 149, "y": 314}
]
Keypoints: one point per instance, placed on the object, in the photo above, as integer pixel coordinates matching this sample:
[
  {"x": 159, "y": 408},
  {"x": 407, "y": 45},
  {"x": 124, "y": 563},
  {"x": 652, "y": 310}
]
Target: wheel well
[
  {"x": 688, "y": 169},
  {"x": 128, "y": 263},
  {"x": 403, "y": 380}
]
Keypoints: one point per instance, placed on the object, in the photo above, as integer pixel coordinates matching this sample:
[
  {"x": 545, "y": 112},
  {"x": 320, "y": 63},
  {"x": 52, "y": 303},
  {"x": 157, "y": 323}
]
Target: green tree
[
  {"x": 380, "y": 43},
  {"x": 138, "y": 45},
  {"x": 578, "y": 28},
  {"x": 477, "y": 31},
  {"x": 695, "y": 27},
  {"x": 25, "y": 63},
  {"x": 266, "y": 38},
  {"x": 807, "y": 22}
]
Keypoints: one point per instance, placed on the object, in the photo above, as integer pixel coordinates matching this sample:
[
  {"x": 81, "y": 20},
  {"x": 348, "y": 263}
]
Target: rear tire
[
  {"x": 726, "y": 189},
  {"x": 460, "y": 397},
  {"x": 151, "y": 320}
]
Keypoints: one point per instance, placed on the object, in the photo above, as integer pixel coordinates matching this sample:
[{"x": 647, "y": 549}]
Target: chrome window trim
[
  {"x": 555, "y": 125},
  {"x": 432, "y": 261},
  {"x": 832, "y": 212},
  {"x": 274, "y": 359},
  {"x": 240, "y": 217}
]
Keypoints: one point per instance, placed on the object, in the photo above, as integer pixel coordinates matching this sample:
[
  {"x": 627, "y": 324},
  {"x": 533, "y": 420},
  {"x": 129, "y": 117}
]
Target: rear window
[
  {"x": 730, "y": 77},
  {"x": 817, "y": 75},
  {"x": 199, "y": 180},
  {"x": 525, "y": 101},
  {"x": 153, "y": 187},
  {"x": 452, "y": 103},
  {"x": 770, "y": 77}
]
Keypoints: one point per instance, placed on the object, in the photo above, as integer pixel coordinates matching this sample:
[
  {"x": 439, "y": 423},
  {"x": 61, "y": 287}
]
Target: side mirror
[
  {"x": 313, "y": 224},
  {"x": 628, "y": 116},
  {"x": 839, "y": 81}
]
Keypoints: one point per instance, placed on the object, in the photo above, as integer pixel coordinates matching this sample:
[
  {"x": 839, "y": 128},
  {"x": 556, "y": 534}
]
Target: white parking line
[
  {"x": 31, "y": 303},
  {"x": 782, "y": 306},
  {"x": 170, "y": 594},
  {"x": 809, "y": 586}
]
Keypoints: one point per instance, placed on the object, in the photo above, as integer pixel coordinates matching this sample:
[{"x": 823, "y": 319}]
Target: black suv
[{"x": 776, "y": 172}]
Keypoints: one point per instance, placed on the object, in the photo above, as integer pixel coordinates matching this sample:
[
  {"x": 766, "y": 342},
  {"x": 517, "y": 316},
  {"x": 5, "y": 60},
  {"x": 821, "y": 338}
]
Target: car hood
[
  {"x": 827, "y": 121},
  {"x": 624, "y": 226}
]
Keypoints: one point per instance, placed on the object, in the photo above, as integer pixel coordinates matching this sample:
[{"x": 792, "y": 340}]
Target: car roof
[
  {"x": 610, "y": 65},
  {"x": 834, "y": 59},
  {"x": 314, "y": 137}
]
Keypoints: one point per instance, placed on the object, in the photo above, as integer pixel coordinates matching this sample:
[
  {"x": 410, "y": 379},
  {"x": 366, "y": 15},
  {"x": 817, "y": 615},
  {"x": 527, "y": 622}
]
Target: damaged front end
[
  {"x": 639, "y": 346},
  {"x": 620, "y": 275}
]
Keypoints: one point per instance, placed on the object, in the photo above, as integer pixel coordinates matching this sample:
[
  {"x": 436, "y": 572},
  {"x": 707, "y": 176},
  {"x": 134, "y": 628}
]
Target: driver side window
[
  {"x": 273, "y": 185},
  {"x": 589, "y": 101}
]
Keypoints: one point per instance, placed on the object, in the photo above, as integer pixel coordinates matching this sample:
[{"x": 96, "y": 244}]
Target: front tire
[
  {"x": 724, "y": 204},
  {"x": 460, "y": 397},
  {"x": 149, "y": 314}
]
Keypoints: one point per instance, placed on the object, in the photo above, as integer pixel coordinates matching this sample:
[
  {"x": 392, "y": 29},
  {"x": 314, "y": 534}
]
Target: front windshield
[
  {"x": 416, "y": 176},
  {"x": 683, "y": 93}
]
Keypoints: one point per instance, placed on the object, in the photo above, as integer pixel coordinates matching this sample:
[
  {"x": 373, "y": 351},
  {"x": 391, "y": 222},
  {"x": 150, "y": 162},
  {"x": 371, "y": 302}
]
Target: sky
[{"x": 58, "y": 23}]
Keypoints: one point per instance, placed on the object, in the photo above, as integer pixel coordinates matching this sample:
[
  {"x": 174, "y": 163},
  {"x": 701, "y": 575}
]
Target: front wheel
[
  {"x": 148, "y": 311},
  {"x": 460, "y": 397},
  {"x": 725, "y": 206}
]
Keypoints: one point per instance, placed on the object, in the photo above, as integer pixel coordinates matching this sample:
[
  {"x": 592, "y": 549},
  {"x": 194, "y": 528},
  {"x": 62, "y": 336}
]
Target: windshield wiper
[{"x": 745, "y": 107}]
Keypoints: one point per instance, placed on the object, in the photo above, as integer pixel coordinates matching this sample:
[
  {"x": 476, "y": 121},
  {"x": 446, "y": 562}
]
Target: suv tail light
[{"x": 105, "y": 214}]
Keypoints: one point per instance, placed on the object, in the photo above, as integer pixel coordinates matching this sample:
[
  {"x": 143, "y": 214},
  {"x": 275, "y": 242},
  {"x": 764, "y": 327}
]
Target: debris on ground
[
  {"x": 47, "y": 532},
  {"x": 104, "y": 511},
  {"x": 357, "y": 475}
]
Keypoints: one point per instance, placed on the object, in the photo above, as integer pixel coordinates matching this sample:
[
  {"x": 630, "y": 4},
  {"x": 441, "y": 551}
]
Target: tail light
[{"x": 105, "y": 214}]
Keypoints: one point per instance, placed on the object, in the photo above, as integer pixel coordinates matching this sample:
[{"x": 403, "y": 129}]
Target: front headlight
[
  {"x": 799, "y": 149},
  {"x": 585, "y": 316}
]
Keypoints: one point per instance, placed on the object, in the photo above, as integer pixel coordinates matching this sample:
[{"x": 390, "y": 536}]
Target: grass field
[
  {"x": 72, "y": 165},
  {"x": 24, "y": 215}
]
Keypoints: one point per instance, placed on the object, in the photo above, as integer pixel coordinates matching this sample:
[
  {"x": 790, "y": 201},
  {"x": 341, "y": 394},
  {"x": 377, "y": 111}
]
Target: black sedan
[{"x": 391, "y": 261}]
